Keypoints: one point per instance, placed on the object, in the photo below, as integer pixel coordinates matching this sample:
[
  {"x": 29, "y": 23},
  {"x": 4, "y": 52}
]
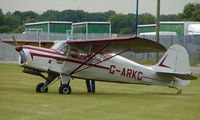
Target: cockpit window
[
  {"x": 71, "y": 52},
  {"x": 61, "y": 47}
]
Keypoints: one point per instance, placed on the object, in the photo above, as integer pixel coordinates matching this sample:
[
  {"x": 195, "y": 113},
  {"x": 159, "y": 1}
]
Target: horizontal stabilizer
[{"x": 185, "y": 76}]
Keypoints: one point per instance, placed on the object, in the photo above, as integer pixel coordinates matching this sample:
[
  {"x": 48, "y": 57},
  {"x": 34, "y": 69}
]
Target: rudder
[{"x": 175, "y": 60}]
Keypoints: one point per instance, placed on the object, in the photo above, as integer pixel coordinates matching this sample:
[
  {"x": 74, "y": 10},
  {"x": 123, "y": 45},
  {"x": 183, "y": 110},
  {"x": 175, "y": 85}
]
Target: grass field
[{"x": 19, "y": 101}]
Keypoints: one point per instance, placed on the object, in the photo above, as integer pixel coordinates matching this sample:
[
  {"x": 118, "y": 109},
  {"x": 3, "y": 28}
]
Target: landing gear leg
[
  {"x": 179, "y": 90},
  {"x": 90, "y": 87},
  {"x": 65, "y": 87},
  {"x": 43, "y": 87}
]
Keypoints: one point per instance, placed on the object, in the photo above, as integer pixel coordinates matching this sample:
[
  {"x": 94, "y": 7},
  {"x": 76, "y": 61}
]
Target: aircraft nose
[
  {"x": 18, "y": 48},
  {"x": 22, "y": 55}
]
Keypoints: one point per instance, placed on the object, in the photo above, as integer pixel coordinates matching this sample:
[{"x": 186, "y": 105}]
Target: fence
[{"x": 190, "y": 42}]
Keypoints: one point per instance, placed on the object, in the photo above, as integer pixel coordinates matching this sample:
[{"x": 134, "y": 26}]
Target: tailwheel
[
  {"x": 65, "y": 89},
  {"x": 40, "y": 88},
  {"x": 179, "y": 90}
]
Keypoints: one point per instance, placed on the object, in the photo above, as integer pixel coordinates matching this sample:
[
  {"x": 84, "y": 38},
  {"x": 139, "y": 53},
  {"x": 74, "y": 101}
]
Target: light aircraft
[{"x": 100, "y": 60}]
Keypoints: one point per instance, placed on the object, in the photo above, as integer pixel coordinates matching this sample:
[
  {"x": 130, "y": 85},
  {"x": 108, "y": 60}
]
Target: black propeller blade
[{"x": 21, "y": 51}]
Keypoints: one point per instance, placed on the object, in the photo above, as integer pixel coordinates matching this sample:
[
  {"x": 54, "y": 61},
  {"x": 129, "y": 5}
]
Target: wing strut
[
  {"x": 102, "y": 60},
  {"x": 91, "y": 56}
]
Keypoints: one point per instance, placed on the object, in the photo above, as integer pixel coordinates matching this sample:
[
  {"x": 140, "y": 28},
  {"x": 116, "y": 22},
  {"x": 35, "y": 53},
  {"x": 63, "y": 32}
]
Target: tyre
[
  {"x": 65, "y": 89},
  {"x": 40, "y": 89}
]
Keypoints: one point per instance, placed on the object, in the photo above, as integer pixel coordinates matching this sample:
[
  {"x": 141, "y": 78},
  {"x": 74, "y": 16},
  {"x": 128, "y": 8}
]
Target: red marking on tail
[{"x": 162, "y": 65}]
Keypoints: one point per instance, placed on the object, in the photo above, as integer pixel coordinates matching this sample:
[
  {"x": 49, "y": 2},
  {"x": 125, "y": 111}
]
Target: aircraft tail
[{"x": 176, "y": 63}]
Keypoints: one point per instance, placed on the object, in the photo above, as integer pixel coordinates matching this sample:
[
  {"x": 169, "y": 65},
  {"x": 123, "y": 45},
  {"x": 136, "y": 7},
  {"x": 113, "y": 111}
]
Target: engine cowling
[{"x": 22, "y": 56}]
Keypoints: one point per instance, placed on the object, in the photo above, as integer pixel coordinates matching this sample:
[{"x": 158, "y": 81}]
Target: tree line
[{"x": 121, "y": 23}]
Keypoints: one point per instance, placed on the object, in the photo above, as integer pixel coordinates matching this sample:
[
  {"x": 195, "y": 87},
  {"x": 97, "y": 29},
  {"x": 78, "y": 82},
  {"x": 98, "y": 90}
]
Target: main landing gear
[
  {"x": 179, "y": 90},
  {"x": 64, "y": 80},
  {"x": 64, "y": 87}
]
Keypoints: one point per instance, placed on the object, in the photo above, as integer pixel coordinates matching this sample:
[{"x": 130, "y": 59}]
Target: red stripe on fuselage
[
  {"x": 65, "y": 59},
  {"x": 46, "y": 50}
]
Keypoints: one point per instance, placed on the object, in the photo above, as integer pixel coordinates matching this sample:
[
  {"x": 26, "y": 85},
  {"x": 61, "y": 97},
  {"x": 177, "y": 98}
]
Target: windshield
[{"x": 61, "y": 47}]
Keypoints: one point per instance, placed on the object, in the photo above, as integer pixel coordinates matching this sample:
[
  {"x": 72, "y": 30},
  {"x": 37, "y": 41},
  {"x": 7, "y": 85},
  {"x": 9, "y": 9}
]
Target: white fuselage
[{"x": 116, "y": 69}]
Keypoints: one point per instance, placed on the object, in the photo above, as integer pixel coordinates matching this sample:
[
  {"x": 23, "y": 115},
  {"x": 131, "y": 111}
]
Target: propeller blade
[
  {"x": 14, "y": 40},
  {"x": 22, "y": 58}
]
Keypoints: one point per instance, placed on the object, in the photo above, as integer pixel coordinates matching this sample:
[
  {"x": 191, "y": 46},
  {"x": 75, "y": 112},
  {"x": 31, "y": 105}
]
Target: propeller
[
  {"x": 19, "y": 49},
  {"x": 14, "y": 40}
]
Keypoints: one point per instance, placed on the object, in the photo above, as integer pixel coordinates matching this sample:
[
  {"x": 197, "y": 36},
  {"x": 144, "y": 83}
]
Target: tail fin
[{"x": 175, "y": 62}]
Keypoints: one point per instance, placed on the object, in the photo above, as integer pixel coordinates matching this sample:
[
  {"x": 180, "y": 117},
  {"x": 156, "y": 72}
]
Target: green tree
[
  {"x": 1, "y": 11},
  {"x": 49, "y": 15},
  {"x": 98, "y": 16},
  {"x": 109, "y": 14},
  {"x": 20, "y": 29},
  {"x": 12, "y": 21},
  {"x": 26, "y": 15},
  {"x": 117, "y": 22},
  {"x": 5, "y": 29},
  {"x": 31, "y": 20},
  {"x": 170, "y": 17},
  {"x": 191, "y": 12},
  {"x": 72, "y": 15},
  {"x": 123, "y": 24},
  {"x": 8, "y": 13},
  {"x": 146, "y": 18},
  {"x": 1, "y": 20}
]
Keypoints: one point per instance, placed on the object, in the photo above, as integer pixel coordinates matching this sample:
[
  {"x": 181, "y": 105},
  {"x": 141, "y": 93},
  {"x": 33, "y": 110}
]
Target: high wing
[
  {"x": 114, "y": 45},
  {"x": 43, "y": 43}
]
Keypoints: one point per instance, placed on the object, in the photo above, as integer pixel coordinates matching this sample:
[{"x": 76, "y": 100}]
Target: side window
[
  {"x": 63, "y": 48},
  {"x": 73, "y": 52},
  {"x": 76, "y": 54}
]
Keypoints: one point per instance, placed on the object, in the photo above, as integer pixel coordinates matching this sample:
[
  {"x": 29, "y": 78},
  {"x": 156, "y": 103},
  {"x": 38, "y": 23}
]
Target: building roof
[
  {"x": 81, "y": 23},
  {"x": 46, "y": 22},
  {"x": 148, "y": 25},
  {"x": 162, "y": 22}
]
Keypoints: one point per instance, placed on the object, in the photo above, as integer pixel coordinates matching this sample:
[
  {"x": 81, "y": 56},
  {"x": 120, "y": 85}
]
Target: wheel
[
  {"x": 179, "y": 92},
  {"x": 65, "y": 89},
  {"x": 40, "y": 88}
]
